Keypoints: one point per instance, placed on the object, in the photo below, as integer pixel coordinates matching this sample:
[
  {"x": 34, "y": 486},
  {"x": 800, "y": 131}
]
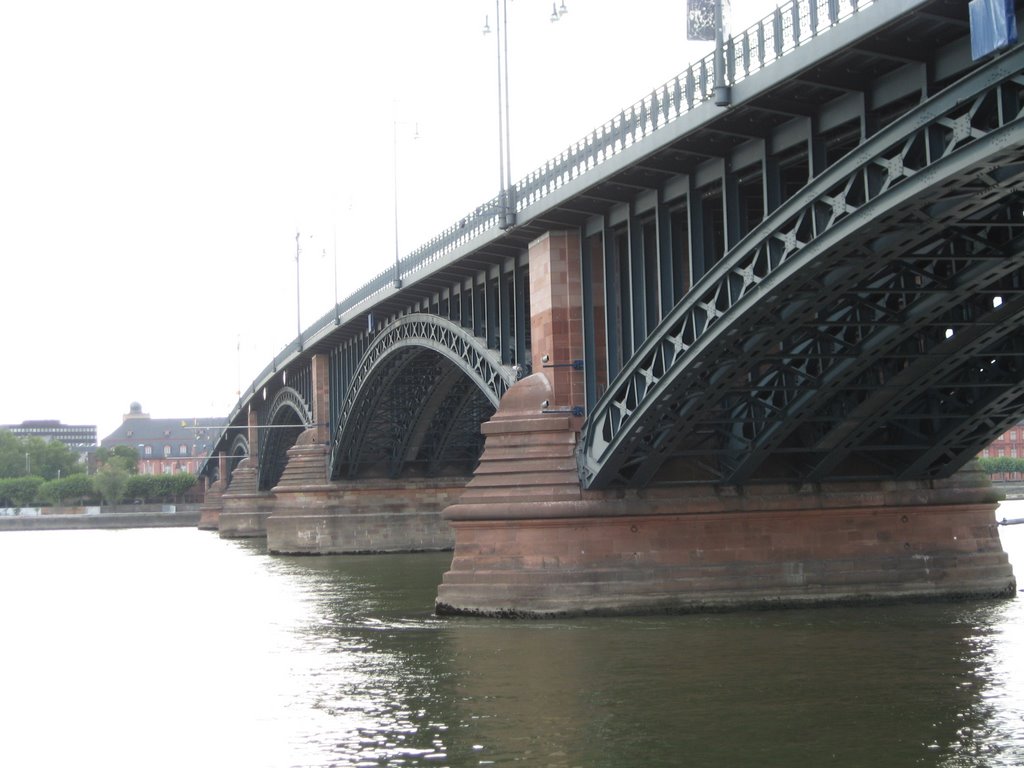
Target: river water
[{"x": 172, "y": 647}]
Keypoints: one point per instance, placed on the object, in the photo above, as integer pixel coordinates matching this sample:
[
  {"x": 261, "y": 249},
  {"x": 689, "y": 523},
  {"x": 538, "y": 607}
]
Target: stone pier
[
  {"x": 244, "y": 508},
  {"x": 530, "y": 542},
  {"x": 315, "y": 516}
]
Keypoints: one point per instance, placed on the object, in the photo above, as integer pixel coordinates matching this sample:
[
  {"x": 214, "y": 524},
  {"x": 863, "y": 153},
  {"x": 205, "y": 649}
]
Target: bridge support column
[
  {"x": 245, "y": 507},
  {"x": 210, "y": 509},
  {"x": 361, "y": 516},
  {"x": 313, "y": 515},
  {"x": 529, "y": 542},
  {"x": 556, "y": 313}
]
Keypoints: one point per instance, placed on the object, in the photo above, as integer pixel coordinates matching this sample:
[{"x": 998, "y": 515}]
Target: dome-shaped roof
[{"x": 135, "y": 408}]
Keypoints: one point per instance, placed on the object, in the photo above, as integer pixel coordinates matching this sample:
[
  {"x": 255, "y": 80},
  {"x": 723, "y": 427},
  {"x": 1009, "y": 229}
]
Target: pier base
[
  {"x": 529, "y": 542},
  {"x": 244, "y": 508},
  {"x": 314, "y": 516},
  {"x": 210, "y": 509}
]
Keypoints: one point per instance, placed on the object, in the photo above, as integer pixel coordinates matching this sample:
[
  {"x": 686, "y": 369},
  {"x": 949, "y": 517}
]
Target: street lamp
[
  {"x": 705, "y": 20},
  {"x": 506, "y": 201},
  {"x": 723, "y": 93},
  {"x": 394, "y": 167},
  {"x": 298, "y": 301}
]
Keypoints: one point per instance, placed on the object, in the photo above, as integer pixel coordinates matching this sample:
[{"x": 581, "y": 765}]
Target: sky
[{"x": 157, "y": 160}]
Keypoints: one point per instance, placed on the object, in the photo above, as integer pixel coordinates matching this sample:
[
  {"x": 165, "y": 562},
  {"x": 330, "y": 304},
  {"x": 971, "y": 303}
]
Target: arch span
[
  {"x": 869, "y": 328},
  {"x": 288, "y": 416},
  {"x": 417, "y": 400}
]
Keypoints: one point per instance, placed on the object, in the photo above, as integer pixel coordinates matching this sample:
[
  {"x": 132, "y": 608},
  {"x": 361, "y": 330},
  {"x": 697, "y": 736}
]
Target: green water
[{"x": 175, "y": 648}]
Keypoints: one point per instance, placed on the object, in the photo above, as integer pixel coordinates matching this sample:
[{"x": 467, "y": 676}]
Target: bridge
[{"x": 709, "y": 355}]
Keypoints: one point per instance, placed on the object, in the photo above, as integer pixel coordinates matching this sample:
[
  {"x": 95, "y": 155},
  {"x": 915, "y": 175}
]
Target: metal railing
[{"x": 789, "y": 26}]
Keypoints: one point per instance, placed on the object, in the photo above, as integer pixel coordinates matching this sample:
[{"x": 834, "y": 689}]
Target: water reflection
[{"x": 177, "y": 648}]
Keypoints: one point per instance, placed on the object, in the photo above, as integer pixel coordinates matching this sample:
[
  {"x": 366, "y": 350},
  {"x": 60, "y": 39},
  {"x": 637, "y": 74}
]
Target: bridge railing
[
  {"x": 789, "y": 26},
  {"x": 784, "y": 30}
]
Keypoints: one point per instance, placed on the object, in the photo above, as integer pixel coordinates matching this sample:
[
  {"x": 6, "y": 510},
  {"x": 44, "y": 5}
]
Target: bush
[
  {"x": 110, "y": 482},
  {"x": 994, "y": 465},
  {"x": 153, "y": 489},
  {"x": 19, "y": 491},
  {"x": 75, "y": 490}
]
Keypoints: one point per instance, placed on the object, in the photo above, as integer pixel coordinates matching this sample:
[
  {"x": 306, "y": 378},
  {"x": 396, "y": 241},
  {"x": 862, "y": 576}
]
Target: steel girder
[
  {"x": 418, "y": 397},
  {"x": 288, "y": 417},
  {"x": 238, "y": 451},
  {"x": 817, "y": 348}
]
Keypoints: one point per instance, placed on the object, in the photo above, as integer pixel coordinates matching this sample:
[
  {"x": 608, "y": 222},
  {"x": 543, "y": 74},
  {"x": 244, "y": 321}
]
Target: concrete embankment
[
  {"x": 1013, "y": 491},
  {"x": 137, "y": 516}
]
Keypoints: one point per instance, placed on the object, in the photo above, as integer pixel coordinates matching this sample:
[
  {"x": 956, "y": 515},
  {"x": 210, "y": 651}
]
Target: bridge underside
[
  {"x": 419, "y": 415},
  {"x": 899, "y": 357},
  {"x": 869, "y": 329}
]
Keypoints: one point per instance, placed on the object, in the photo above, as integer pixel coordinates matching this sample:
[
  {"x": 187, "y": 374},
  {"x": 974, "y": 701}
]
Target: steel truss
[
  {"x": 869, "y": 328},
  {"x": 417, "y": 399},
  {"x": 288, "y": 417},
  {"x": 238, "y": 451}
]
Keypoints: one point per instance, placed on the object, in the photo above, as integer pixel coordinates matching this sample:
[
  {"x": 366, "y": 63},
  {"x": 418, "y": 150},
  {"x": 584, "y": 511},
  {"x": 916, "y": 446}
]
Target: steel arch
[
  {"x": 238, "y": 451},
  {"x": 715, "y": 379},
  {"x": 406, "y": 356},
  {"x": 287, "y": 417}
]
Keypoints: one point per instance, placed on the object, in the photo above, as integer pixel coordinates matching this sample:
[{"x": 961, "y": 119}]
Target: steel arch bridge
[
  {"x": 869, "y": 327},
  {"x": 418, "y": 397},
  {"x": 766, "y": 288}
]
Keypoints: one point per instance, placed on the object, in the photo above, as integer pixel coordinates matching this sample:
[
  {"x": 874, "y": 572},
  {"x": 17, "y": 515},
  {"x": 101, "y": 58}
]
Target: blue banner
[{"x": 993, "y": 26}]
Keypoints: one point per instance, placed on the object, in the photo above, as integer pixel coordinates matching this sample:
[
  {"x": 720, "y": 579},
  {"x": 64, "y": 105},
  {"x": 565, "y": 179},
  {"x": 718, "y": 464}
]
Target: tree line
[
  {"x": 37, "y": 472},
  {"x": 1001, "y": 465}
]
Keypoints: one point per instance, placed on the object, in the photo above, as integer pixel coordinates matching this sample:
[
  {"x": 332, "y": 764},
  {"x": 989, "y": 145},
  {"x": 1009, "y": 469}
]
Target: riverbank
[
  {"x": 1013, "y": 491},
  {"x": 81, "y": 518}
]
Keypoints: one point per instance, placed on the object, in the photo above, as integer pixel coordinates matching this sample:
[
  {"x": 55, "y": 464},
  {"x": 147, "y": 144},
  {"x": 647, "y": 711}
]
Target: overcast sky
[{"x": 158, "y": 158}]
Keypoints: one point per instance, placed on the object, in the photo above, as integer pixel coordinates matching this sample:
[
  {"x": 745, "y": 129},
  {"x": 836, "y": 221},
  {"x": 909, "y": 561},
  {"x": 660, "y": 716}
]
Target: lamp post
[
  {"x": 298, "y": 299},
  {"x": 705, "y": 20},
  {"x": 298, "y": 302},
  {"x": 506, "y": 196},
  {"x": 394, "y": 167},
  {"x": 723, "y": 93}
]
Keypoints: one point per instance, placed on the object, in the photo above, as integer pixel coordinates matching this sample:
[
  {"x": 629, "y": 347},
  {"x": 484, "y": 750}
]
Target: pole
[
  {"x": 298, "y": 303},
  {"x": 510, "y": 214},
  {"x": 337, "y": 319},
  {"x": 394, "y": 168},
  {"x": 723, "y": 93},
  {"x": 501, "y": 119}
]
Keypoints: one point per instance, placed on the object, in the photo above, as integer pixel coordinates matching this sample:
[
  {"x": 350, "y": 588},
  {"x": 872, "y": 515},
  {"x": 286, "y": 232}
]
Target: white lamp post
[
  {"x": 506, "y": 197},
  {"x": 394, "y": 166}
]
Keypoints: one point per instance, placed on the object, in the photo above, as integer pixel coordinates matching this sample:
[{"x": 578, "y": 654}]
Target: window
[
  {"x": 167, "y": 451},
  {"x": 148, "y": 450}
]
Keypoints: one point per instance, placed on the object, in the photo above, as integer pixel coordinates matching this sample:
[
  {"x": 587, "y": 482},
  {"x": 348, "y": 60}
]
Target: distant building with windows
[
  {"x": 81, "y": 438},
  {"x": 166, "y": 446},
  {"x": 1010, "y": 443}
]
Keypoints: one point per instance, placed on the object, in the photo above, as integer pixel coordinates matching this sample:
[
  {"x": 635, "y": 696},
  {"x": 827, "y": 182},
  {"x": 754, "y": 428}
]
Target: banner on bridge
[
  {"x": 700, "y": 18},
  {"x": 993, "y": 26}
]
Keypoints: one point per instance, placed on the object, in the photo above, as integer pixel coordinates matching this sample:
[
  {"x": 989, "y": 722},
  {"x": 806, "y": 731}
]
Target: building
[
  {"x": 1010, "y": 444},
  {"x": 80, "y": 438},
  {"x": 166, "y": 446}
]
